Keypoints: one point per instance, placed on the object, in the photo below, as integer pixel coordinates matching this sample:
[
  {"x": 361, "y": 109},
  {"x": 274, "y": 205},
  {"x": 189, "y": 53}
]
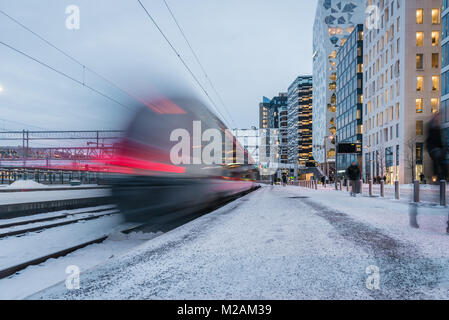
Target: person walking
[
  {"x": 284, "y": 179},
  {"x": 353, "y": 173},
  {"x": 434, "y": 144}
]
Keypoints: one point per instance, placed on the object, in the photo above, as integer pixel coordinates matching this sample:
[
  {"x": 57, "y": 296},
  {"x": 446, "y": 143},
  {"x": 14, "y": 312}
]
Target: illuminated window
[
  {"x": 419, "y": 16},
  {"x": 419, "y": 61},
  {"x": 435, "y": 60},
  {"x": 419, "y": 83},
  {"x": 419, "y": 127},
  {"x": 419, "y": 39},
  {"x": 435, "y": 83},
  {"x": 435, "y": 38},
  {"x": 435, "y": 103},
  {"x": 435, "y": 16},
  {"x": 419, "y": 105}
]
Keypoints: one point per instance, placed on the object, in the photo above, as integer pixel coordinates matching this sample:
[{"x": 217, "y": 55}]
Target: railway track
[
  {"x": 165, "y": 224},
  {"x": 84, "y": 216},
  {"x": 18, "y": 267}
]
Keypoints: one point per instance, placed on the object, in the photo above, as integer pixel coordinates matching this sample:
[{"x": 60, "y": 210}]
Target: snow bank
[{"x": 26, "y": 184}]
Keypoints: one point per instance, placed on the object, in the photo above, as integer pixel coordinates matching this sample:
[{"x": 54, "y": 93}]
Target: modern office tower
[
  {"x": 402, "y": 71},
  {"x": 300, "y": 122},
  {"x": 349, "y": 96},
  {"x": 445, "y": 71},
  {"x": 273, "y": 114},
  {"x": 334, "y": 21},
  {"x": 263, "y": 113}
]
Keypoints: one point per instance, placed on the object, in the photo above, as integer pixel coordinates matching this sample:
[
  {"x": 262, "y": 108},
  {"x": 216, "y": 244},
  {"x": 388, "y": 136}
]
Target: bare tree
[{"x": 410, "y": 156}]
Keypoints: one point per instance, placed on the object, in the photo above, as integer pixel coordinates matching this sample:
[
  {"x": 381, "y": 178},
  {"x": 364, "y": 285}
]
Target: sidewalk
[{"x": 280, "y": 243}]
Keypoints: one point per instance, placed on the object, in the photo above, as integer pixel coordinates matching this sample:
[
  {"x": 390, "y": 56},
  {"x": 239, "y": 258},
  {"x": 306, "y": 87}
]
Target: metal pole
[
  {"x": 416, "y": 191},
  {"x": 382, "y": 188},
  {"x": 443, "y": 193},
  {"x": 371, "y": 188},
  {"x": 396, "y": 190}
]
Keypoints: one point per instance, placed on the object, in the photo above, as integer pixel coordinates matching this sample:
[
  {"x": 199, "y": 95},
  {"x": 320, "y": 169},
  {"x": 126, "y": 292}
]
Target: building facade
[
  {"x": 300, "y": 122},
  {"x": 402, "y": 66},
  {"x": 273, "y": 114},
  {"x": 263, "y": 113},
  {"x": 334, "y": 22},
  {"x": 445, "y": 70},
  {"x": 349, "y": 116}
]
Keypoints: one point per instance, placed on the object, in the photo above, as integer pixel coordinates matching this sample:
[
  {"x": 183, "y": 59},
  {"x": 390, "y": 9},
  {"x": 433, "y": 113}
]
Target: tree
[{"x": 410, "y": 156}]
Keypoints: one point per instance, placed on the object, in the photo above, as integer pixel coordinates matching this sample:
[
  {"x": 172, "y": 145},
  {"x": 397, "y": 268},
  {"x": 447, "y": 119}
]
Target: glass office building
[
  {"x": 349, "y": 96},
  {"x": 445, "y": 70}
]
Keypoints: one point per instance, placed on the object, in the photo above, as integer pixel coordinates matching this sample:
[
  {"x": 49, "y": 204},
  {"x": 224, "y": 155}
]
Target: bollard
[
  {"x": 396, "y": 190},
  {"x": 360, "y": 187},
  {"x": 382, "y": 188},
  {"x": 443, "y": 193},
  {"x": 347, "y": 185},
  {"x": 316, "y": 185},
  {"x": 371, "y": 188},
  {"x": 341, "y": 185},
  {"x": 416, "y": 191}
]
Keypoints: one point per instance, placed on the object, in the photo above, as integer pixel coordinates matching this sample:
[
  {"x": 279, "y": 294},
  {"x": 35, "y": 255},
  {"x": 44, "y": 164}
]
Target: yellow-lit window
[
  {"x": 419, "y": 83},
  {"x": 435, "y": 60},
  {"x": 419, "y": 103},
  {"x": 420, "y": 61},
  {"x": 419, "y": 39},
  {"x": 435, "y": 103},
  {"x": 435, "y": 16},
  {"x": 419, "y": 16},
  {"x": 419, "y": 127},
  {"x": 435, "y": 83},
  {"x": 435, "y": 38}
]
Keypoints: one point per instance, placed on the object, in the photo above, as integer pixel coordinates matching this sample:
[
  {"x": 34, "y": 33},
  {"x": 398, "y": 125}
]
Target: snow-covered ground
[
  {"x": 19, "y": 249},
  {"x": 50, "y": 195},
  {"x": 282, "y": 243}
]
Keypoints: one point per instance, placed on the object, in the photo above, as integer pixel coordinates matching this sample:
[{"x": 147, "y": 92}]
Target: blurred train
[{"x": 146, "y": 183}]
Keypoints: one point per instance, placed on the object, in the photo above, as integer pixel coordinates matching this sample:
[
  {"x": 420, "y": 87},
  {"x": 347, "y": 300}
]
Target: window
[
  {"x": 419, "y": 127},
  {"x": 419, "y": 16},
  {"x": 420, "y": 61},
  {"x": 419, "y": 83},
  {"x": 419, "y": 153},
  {"x": 435, "y": 16},
  {"x": 435, "y": 83},
  {"x": 435, "y": 60},
  {"x": 435, "y": 38},
  {"x": 418, "y": 105},
  {"x": 435, "y": 103},
  {"x": 419, "y": 38}
]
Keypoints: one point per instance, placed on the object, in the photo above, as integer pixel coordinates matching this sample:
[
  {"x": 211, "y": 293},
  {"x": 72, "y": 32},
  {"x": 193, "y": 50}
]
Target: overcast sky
[{"x": 250, "y": 49}]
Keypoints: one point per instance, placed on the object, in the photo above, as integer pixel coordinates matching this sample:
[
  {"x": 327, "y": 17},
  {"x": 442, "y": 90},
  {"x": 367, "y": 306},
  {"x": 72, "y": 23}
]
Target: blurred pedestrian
[
  {"x": 435, "y": 147},
  {"x": 284, "y": 179},
  {"x": 353, "y": 173}
]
